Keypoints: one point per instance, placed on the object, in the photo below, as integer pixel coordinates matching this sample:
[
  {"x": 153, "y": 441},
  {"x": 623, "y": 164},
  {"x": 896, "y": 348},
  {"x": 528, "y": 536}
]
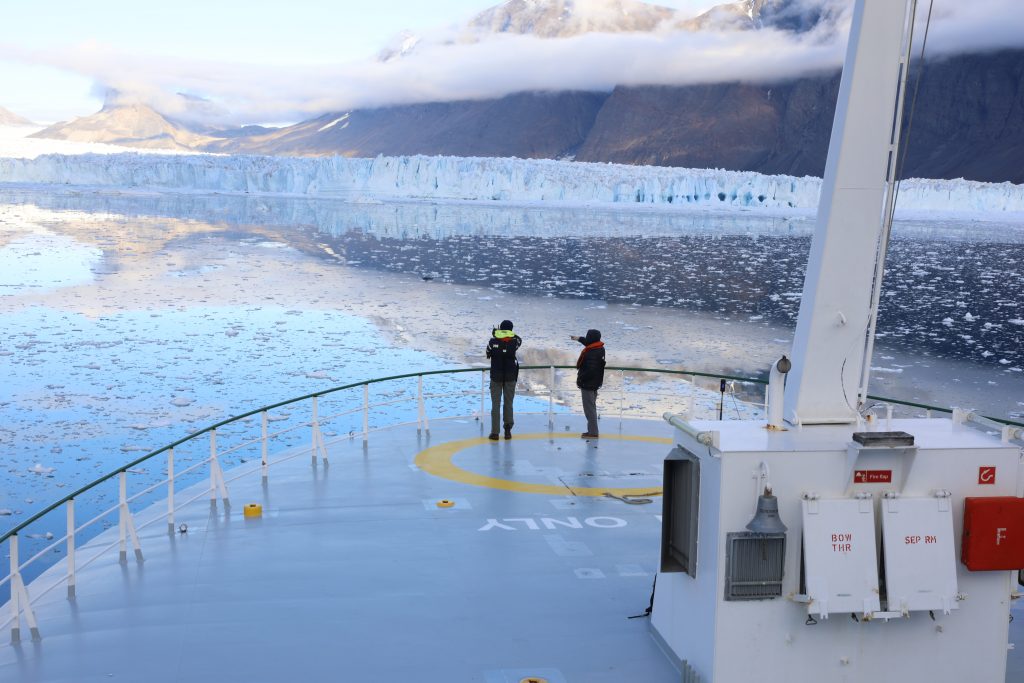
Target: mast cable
[
  {"x": 902, "y": 158},
  {"x": 883, "y": 247}
]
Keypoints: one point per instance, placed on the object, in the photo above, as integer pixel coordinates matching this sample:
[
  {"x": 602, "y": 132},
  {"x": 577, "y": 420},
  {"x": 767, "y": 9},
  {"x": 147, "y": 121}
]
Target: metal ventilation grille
[{"x": 754, "y": 565}]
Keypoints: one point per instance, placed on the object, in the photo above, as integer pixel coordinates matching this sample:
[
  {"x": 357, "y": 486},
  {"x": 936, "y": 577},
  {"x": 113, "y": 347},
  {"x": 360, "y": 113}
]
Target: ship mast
[{"x": 831, "y": 349}]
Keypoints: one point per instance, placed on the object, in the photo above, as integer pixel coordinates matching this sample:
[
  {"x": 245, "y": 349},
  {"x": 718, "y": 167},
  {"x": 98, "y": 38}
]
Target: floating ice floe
[
  {"x": 319, "y": 374},
  {"x": 182, "y": 401},
  {"x": 40, "y": 469}
]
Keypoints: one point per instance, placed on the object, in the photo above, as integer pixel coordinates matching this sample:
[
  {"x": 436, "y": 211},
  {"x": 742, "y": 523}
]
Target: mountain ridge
[
  {"x": 9, "y": 118},
  {"x": 133, "y": 125}
]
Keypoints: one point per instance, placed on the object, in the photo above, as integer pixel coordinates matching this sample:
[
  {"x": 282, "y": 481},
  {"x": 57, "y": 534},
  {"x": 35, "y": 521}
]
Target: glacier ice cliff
[{"x": 482, "y": 179}]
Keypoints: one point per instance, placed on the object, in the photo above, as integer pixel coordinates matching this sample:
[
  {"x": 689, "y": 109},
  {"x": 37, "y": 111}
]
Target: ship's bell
[{"x": 766, "y": 520}]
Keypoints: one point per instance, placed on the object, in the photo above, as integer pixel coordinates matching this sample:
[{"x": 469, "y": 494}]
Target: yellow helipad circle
[{"x": 437, "y": 460}]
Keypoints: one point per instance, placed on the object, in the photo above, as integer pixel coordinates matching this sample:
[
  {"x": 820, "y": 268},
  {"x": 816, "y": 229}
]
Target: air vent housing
[{"x": 754, "y": 565}]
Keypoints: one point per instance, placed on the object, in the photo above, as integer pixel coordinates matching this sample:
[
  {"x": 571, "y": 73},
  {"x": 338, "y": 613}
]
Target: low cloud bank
[{"x": 501, "y": 64}]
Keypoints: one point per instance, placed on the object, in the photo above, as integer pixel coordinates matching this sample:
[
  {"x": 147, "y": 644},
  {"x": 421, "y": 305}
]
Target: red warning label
[
  {"x": 872, "y": 476},
  {"x": 987, "y": 475}
]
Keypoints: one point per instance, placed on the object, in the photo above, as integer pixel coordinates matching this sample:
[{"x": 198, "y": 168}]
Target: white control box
[
  {"x": 920, "y": 554},
  {"x": 840, "y": 557}
]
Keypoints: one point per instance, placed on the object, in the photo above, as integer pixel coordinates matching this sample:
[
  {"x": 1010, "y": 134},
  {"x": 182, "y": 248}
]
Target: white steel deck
[{"x": 354, "y": 573}]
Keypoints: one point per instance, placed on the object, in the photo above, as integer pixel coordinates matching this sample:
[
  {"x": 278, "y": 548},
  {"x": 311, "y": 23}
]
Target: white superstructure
[{"x": 835, "y": 545}]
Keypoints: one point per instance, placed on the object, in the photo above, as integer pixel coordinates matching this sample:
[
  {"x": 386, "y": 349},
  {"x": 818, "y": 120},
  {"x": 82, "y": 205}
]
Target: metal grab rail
[
  {"x": 379, "y": 380},
  {"x": 217, "y": 482}
]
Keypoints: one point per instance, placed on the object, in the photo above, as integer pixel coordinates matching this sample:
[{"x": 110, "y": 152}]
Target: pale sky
[{"x": 256, "y": 32}]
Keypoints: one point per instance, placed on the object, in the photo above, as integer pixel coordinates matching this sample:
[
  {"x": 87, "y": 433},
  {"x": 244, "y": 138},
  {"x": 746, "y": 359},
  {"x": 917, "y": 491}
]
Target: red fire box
[{"x": 993, "y": 533}]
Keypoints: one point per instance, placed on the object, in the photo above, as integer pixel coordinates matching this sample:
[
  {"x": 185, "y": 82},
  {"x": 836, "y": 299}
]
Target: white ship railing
[{"x": 628, "y": 393}]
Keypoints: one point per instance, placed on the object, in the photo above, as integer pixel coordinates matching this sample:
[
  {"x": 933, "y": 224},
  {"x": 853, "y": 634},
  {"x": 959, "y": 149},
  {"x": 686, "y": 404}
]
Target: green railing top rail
[{"x": 424, "y": 373}]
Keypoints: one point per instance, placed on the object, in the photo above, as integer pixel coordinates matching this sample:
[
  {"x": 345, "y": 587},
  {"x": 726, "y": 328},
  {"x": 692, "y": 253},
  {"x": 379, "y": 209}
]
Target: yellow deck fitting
[
  {"x": 445, "y": 503},
  {"x": 253, "y": 510}
]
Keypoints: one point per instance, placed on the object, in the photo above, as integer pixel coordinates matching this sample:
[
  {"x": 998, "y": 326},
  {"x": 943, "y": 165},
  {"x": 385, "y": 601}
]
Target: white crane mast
[{"x": 830, "y": 350}]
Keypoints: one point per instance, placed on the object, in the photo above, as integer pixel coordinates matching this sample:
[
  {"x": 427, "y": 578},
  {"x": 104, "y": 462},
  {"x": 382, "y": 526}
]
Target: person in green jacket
[{"x": 501, "y": 349}]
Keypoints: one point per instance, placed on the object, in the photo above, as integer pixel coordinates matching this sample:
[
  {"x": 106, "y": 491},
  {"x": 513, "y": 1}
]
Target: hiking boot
[
  {"x": 493, "y": 437},
  {"x": 508, "y": 432}
]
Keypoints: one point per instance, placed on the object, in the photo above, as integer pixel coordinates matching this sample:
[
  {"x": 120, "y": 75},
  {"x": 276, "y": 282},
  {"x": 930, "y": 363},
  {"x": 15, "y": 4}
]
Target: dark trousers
[
  {"x": 499, "y": 390},
  {"x": 590, "y": 409}
]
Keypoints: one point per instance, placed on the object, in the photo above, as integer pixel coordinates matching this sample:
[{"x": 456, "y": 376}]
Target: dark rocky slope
[
  {"x": 969, "y": 122},
  {"x": 526, "y": 125}
]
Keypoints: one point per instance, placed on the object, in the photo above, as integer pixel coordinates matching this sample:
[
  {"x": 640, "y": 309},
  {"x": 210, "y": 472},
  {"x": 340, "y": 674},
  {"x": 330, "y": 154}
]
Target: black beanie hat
[{"x": 505, "y": 325}]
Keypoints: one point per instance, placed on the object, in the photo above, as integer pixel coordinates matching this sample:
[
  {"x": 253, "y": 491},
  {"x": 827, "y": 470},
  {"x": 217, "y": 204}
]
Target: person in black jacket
[
  {"x": 590, "y": 377},
  {"x": 501, "y": 349}
]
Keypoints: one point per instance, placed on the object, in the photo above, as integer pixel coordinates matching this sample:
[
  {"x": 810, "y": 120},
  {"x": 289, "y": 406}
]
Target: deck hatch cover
[
  {"x": 920, "y": 554},
  {"x": 840, "y": 556}
]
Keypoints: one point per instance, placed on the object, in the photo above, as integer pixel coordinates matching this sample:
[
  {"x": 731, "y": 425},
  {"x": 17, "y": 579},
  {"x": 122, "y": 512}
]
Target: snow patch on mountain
[
  {"x": 487, "y": 180},
  {"x": 335, "y": 122}
]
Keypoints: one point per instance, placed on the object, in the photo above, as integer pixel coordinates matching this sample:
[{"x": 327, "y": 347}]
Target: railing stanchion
[
  {"x": 216, "y": 476},
  {"x": 721, "y": 398},
  {"x": 12, "y": 544},
  {"x": 483, "y": 392},
  {"x": 689, "y": 399},
  {"x": 213, "y": 474},
  {"x": 551, "y": 396},
  {"x": 19, "y": 598},
  {"x": 71, "y": 548},
  {"x": 170, "y": 492},
  {"x": 125, "y": 523},
  {"x": 421, "y": 408},
  {"x": 622, "y": 393},
  {"x": 263, "y": 445},
  {"x": 318, "y": 437},
  {"x": 366, "y": 413}
]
